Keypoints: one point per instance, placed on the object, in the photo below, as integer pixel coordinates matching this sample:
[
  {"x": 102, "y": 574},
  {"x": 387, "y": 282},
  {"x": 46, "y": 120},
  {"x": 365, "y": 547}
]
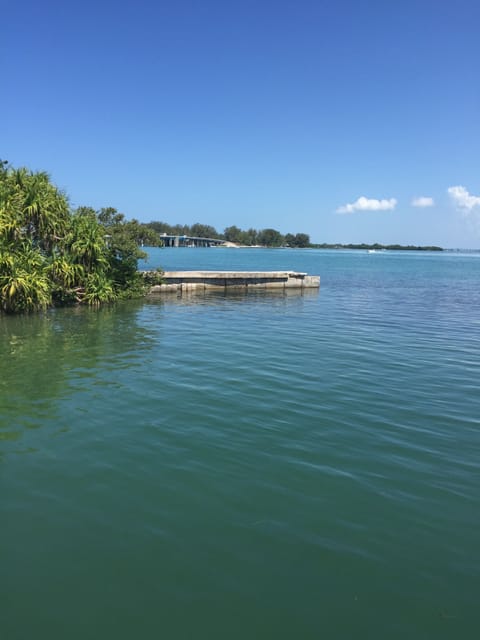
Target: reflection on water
[
  {"x": 42, "y": 356},
  {"x": 212, "y": 296}
]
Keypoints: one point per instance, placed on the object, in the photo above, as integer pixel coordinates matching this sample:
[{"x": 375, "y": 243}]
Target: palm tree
[
  {"x": 24, "y": 283},
  {"x": 49, "y": 254},
  {"x": 45, "y": 211},
  {"x": 86, "y": 242},
  {"x": 98, "y": 289}
]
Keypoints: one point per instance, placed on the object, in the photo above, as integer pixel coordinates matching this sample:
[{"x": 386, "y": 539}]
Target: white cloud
[
  {"x": 368, "y": 204},
  {"x": 423, "y": 201},
  {"x": 462, "y": 199}
]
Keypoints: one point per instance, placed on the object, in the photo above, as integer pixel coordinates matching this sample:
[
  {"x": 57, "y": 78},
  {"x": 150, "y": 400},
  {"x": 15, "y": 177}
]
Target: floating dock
[{"x": 178, "y": 281}]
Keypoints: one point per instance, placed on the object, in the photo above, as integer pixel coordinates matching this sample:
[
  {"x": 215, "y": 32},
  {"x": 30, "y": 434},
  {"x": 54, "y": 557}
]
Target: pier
[{"x": 179, "y": 281}]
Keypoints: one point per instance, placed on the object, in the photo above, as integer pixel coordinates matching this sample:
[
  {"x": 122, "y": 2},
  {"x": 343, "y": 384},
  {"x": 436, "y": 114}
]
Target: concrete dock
[{"x": 176, "y": 281}]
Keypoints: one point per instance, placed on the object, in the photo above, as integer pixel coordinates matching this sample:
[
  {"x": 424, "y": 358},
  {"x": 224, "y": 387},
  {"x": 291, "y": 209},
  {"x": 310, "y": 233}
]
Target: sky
[{"x": 350, "y": 120}]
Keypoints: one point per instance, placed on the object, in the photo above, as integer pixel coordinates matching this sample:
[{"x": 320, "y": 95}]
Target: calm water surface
[{"x": 248, "y": 466}]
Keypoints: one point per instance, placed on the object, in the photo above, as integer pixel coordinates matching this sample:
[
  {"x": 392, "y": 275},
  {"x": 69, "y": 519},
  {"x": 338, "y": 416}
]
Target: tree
[
  {"x": 123, "y": 255},
  {"x": 51, "y": 255},
  {"x": 24, "y": 283},
  {"x": 299, "y": 240},
  {"x": 302, "y": 240},
  {"x": 233, "y": 234},
  {"x": 199, "y": 230},
  {"x": 86, "y": 241},
  {"x": 159, "y": 227},
  {"x": 34, "y": 218},
  {"x": 142, "y": 233},
  {"x": 109, "y": 216},
  {"x": 32, "y": 208},
  {"x": 250, "y": 237},
  {"x": 270, "y": 238}
]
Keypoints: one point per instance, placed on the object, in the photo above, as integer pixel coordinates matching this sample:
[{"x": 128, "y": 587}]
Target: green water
[{"x": 248, "y": 466}]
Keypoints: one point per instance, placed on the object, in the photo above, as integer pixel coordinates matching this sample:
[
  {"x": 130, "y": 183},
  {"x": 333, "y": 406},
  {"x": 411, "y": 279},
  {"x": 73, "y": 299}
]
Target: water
[{"x": 248, "y": 465}]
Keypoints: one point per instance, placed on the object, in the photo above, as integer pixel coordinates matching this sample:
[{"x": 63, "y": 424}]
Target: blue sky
[{"x": 328, "y": 118}]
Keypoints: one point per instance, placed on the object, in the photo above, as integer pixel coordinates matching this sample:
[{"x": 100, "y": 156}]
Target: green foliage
[
  {"x": 377, "y": 246},
  {"x": 270, "y": 238},
  {"x": 31, "y": 208},
  {"x": 233, "y": 234},
  {"x": 86, "y": 241},
  {"x": 300, "y": 240},
  {"x": 98, "y": 289},
  {"x": 250, "y": 237},
  {"x": 109, "y": 216},
  {"x": 197, "y": 230},
  {"x": 34, "y": 219},
  {"x": 51, "y": 255},
  {"x": 24, "y": 283}
]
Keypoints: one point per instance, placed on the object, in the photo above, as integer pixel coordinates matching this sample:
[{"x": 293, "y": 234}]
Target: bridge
[{"x": 189, "y": 241}]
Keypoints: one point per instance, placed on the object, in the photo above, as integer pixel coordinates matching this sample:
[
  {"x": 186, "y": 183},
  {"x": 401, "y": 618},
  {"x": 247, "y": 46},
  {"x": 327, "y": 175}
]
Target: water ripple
[{"x": 270, "y": 458}]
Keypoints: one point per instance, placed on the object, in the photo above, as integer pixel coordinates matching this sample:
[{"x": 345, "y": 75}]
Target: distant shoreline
[
  {"x": 360, "y": 247},
  {"x": 377, "y": 247}
]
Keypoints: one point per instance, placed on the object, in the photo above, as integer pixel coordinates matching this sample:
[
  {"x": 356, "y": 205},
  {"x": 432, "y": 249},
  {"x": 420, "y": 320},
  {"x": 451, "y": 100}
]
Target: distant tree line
[
  {"x": 250, "y": 237},
  {"x": 253, "y": 237},
  {"x": 376, "y": 246}
]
